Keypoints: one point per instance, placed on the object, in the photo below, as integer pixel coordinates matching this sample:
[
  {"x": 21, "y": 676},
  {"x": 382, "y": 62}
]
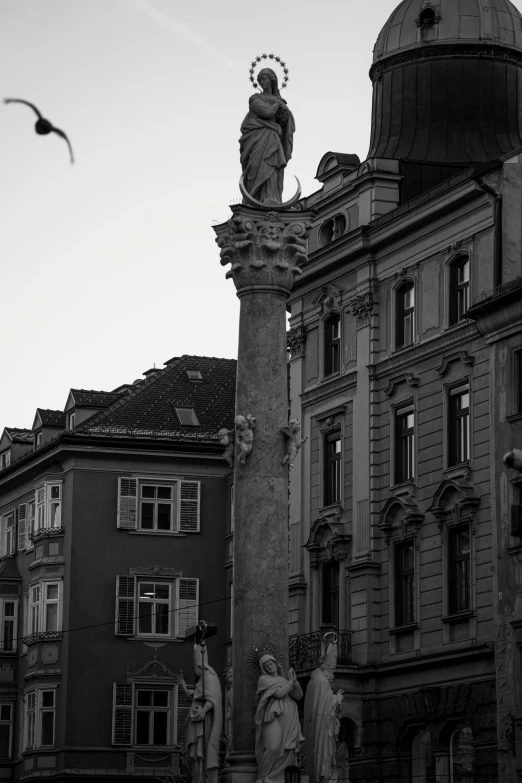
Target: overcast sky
[{"x": 109, "y": 265}]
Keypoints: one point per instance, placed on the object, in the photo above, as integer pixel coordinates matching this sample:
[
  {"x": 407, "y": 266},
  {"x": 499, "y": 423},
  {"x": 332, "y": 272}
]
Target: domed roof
[{"x": 417, "y": 22}]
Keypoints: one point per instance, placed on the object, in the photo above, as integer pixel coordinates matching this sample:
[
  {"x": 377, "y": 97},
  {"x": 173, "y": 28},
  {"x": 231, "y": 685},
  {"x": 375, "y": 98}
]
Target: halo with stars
[{"x": 275, "y": 59}]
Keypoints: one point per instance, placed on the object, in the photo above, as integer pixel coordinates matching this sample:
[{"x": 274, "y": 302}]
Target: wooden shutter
[
  {"x": 22, "y": 526},
  {"x": 127, "y": 503},
  {"x": 183, "y": 705},
  {"x": 189, "y": 506},
  {"x": 187, "y": 605},
  {"x": 122, "y": 713},
  {"x": 30, "y": 523},
  {"x": 125, "y": 602}
]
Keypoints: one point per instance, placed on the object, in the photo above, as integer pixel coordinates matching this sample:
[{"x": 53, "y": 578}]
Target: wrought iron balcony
[
  {"x": 43, "y": 636},
  {"x": 305, "y": 650}
]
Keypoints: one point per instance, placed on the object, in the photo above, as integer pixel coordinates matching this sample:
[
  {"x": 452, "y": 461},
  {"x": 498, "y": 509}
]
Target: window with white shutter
[
  {"x": 189, "y": 506},
  {"x": 187, "y": 605},
  {"x": 127, "y": 503},
  {"x": 30, "y": 522},
  {"x": 125, "y": 605},
  {"x": 122, "y": 713},
  {"x": 183, "y": 705},
  {"x": 22, "y": 526}
]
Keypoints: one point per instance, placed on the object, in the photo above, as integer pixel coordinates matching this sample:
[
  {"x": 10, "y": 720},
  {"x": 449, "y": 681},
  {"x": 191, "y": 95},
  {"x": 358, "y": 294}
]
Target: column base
[{"x": 239, "y": 768}]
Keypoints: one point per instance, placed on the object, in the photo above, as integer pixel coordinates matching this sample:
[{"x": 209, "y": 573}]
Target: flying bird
[{"x": 43, "y": 126}]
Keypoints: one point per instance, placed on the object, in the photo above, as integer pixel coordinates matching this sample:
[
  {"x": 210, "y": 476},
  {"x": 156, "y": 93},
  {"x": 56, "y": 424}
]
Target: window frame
[
  {"x": 332, "y": 344},
  {"x": 37, "y": 610},
  {"x": 402, "y": 312},
  {"x": 48, "y": 509},
  {"x": 331, "y": 466},
  {"x": 185, "y": 500},
  {"x": 332, "y": 616},
  {"x": 453, "y": 565},
  {"x": 5, "y": 459},
  {"x": 400, "y": 411},
  {"x": 172, "y": 502},
  {"x": 33, "y": 716},
  {"x": 183, "y": 612},
  {"x": 402, "y": 618},
  {"x": 10, "y": 723},
  {"x": 456, "y": 287},
  {"x": 153, "y": 602},
  {"x": 13, "y": 620},
  {"x": 452, "y": 420},
  {"x": 143, "y": 687}
]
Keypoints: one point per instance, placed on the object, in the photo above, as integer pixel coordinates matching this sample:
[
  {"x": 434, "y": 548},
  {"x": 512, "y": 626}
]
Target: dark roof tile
[{"x": 51, "y": 418}]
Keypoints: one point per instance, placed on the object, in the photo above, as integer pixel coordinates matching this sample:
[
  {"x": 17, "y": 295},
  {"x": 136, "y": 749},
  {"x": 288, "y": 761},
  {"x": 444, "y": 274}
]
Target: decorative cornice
[
  {"x": 406, "y": 377},
  {"x": 361, "y": 307},
  {"x": 463, "y": 356},
  {"x": 411, "y": 521},
  {"x": 144, "y": 671},
  {"x": 328, "y": 388}
]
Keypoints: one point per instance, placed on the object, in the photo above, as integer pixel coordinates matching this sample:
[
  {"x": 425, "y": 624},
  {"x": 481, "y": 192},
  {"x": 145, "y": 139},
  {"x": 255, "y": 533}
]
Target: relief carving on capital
[
  {"x": 361, "y": 307},
  {"x": 264, "y": 249},
  {"x": 295, "y": 341}
]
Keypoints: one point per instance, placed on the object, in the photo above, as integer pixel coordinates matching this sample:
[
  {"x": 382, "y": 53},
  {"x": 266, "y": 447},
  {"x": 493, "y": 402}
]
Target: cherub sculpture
[
  {"x": 244, "y": 435},
  {"x": 228, "y": 443},
  {"x": 292, "y": 432}
]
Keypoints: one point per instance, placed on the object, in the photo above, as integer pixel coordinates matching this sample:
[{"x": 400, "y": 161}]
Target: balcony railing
[
  {"x": 46, "y": 532},
  {"x": 305, "y": 650}
]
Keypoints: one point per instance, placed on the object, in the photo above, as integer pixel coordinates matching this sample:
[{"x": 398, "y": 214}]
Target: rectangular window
[
  {"x": 6, "y": 730},
  {"x": 332, "y": 469},
  {"x": 45, "y": 608},
  {"x": 156, "y": 507},
  {"x": 518, "y": 385},
  {"x": 332, "y": 345},
  {"x": 187, "y": 417},
  {"x": 458, "y": 421},
  {"x": 404, "y": 583},
  {"x": 8, "y": 544},
  {"x": 405, "y": 323},
  {"x": 459, "y": 290},
  {"x": 40, "y": 718},
  {"x": 404, "y": 445},
  {"x": 330, "y": 573},
  {"x": 48, "y": 506},
  {"x": 8, "y": 619},
  {"x": 154, "y": 608},
  {"x": 5, "y": 459},
  {"x": 152, "y": 716},
  {"x": 459, "y": 569}
]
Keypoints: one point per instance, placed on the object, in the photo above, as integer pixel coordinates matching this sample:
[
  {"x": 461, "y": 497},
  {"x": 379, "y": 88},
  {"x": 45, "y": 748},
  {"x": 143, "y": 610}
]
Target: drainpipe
[{"x": 497, "y": 253}]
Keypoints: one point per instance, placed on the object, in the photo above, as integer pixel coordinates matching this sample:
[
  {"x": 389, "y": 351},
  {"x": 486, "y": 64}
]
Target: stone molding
[
  {"x": 410, "y": 522},
  {"x": 487, "y": 51},
  {"x": 406, "y": 377},
  {"x": 463, "y": 356},
  {"x": 327, "y": 388},
  {"x": 361, "y": 308}
]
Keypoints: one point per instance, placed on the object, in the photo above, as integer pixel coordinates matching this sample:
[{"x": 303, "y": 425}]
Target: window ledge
[
  {"x": 47, "y": 532},
  {"x": 8, "y": 652},
  {"x": 171, "y": 533},
  {"x": 455, "y": 618},
  {"x": 403, "y": 628},
  {"x": 404, "y": 348},
  {"x": 514, "y": 417},
  {"x": 404, "y": 488},
  {"x": 463, "y": 470},
  {"x": 154, "y": 639}
]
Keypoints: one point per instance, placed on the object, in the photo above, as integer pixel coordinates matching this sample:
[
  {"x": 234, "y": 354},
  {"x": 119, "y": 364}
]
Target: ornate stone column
[{"x": 265, "y": 249}]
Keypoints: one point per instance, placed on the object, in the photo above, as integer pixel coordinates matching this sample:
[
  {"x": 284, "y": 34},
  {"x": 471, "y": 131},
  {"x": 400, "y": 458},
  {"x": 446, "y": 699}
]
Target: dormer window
[
  {"x": 427, "y": 18},
  {"x": 38, "y": 440},
  {"x": 187, "y": 417},
  {"x": 332, "y": 229},
  {"x": 194, "y": 375},
  {"x": 71, "y": 419}
]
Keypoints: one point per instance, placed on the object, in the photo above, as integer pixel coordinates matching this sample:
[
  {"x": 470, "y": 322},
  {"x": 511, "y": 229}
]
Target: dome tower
[{"x": 447, "y": 85}]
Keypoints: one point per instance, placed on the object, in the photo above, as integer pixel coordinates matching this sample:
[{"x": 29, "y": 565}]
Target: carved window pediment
[
  {"x": 454, "y": 502},
  {"x": 329, "y": 540},
  {"x": 399, "y": 518}
]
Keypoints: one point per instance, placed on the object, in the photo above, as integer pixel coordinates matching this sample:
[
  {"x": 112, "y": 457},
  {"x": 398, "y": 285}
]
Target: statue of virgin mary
[{"x": 266, "y": 141}]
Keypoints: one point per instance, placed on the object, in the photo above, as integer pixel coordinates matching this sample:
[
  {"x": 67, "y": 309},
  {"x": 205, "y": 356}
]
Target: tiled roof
[
  {"x": 51, "y": 418},
  {"x": 88, "y": 398},
  {"x": 147, "y": 408},
  {"x": 20, "y": 435}
]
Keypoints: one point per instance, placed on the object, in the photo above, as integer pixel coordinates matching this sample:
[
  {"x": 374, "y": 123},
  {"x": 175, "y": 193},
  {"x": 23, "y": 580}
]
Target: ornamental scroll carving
[
  {"x": 265, "y": 249},
  {"x": 361, "y": 307},
  {"x": 295, "y": 341}
]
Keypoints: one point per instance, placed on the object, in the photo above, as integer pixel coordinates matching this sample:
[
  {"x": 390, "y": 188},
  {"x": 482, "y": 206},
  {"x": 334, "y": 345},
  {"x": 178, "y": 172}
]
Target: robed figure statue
[
  {"x": 204, "y": 722},
  {"x": 321, "y": 724},
  {"x": 278, "y": 732},
  {"x": 266, "y": 141}
]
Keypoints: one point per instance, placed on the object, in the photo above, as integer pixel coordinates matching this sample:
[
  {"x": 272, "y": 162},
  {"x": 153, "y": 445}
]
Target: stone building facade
[
  {"x": 405, "y": 365},
  {"x": 113, "y": 516}
]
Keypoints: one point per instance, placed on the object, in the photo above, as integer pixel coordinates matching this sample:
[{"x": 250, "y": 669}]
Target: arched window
[
  {"x": 332, "y": 229},
  {"x": 459, "y": 289},
  {"x": 427, "y": 17},
  {"x": 462, "y": 756},
  {"x": 405, "y": 311},
  {"x": 422, "y": 763},
  {"x": 332, "y": 344}
]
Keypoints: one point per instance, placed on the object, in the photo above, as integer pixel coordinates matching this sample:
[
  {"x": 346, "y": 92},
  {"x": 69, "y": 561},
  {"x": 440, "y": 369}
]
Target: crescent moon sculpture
[{"x": 272, "y": 207}]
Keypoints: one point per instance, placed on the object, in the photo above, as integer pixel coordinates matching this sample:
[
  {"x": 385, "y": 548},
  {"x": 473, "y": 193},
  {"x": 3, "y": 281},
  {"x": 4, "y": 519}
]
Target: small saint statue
[
  {"x": 278, "y": 731},
  {"x": 204, "y": 722},
  {"x": 321, "y": 724},
  {"x": 266, "y": 141}
]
